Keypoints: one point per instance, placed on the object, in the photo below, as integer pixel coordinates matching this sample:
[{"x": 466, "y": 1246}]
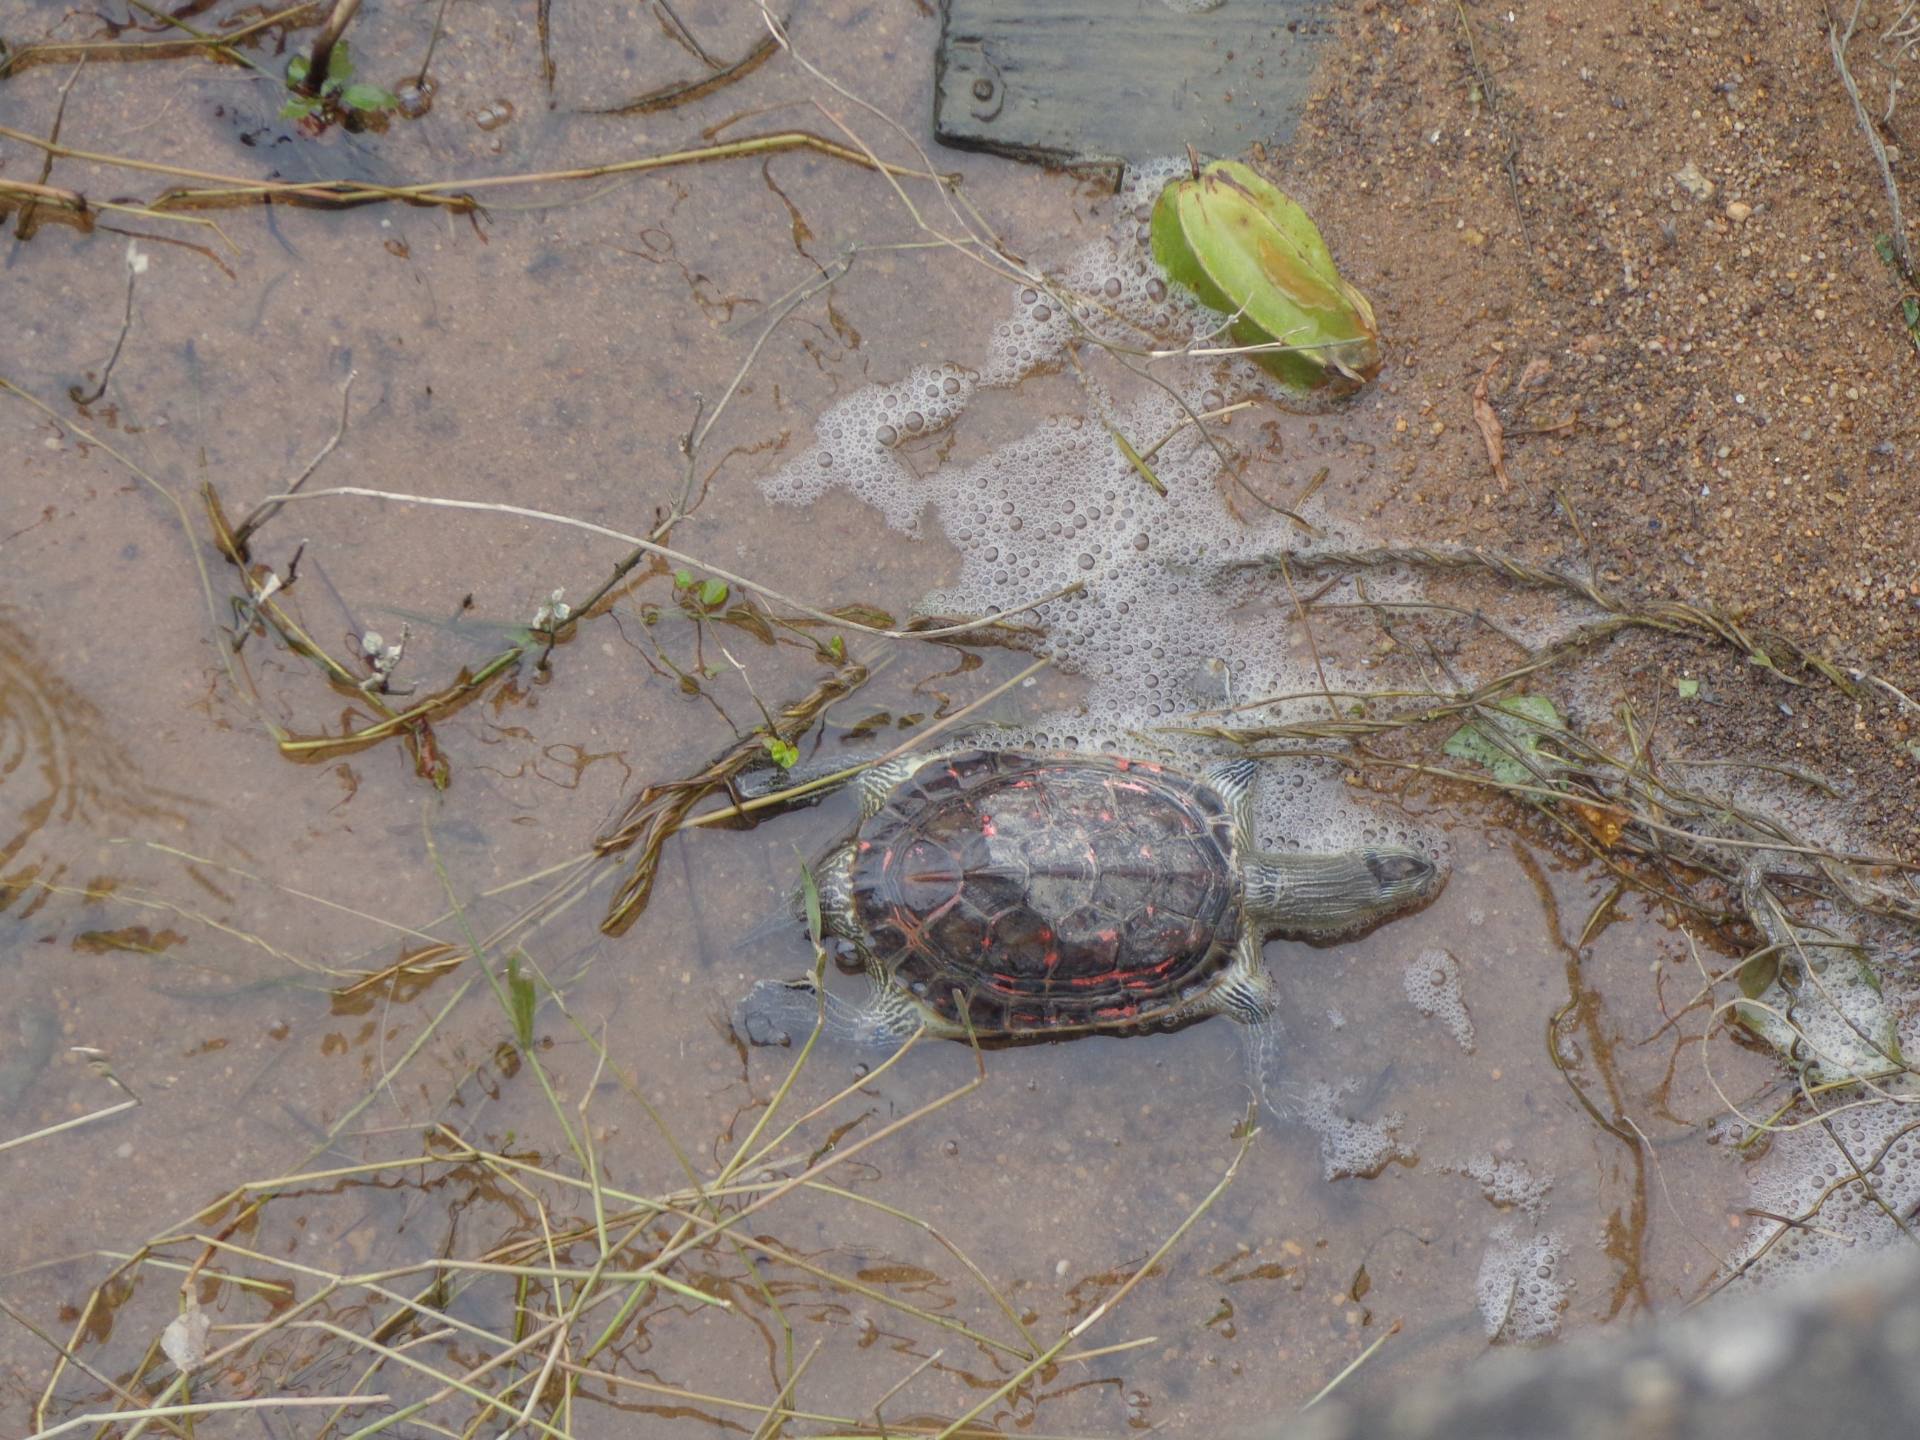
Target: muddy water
[{"x": 183, "y": 903}]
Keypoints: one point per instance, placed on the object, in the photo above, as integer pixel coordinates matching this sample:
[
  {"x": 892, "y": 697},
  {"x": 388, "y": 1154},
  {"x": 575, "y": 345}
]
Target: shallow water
[{"x": 185, "y": 902}]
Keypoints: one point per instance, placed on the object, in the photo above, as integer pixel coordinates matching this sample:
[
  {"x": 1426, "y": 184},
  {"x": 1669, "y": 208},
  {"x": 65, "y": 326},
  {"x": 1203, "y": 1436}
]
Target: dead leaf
[
  {"x": 1606, "y": 825},
  {"x": 1490, "y": 430}
]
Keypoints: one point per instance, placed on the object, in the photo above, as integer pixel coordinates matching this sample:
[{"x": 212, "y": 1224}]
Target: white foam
[
  {"x": 1350, "y": 1148},
  {"x": 1508, "y": 1183},
  {"x": 1803, "y": 1178},
  {"x": 1433, "y": 985},
  {"x": 1175, "y": 608},
  {"x": 1519, "y": 1290}
]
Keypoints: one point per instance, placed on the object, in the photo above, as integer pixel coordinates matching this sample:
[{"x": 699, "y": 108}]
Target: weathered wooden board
[{"x": 1077, "y": 82}]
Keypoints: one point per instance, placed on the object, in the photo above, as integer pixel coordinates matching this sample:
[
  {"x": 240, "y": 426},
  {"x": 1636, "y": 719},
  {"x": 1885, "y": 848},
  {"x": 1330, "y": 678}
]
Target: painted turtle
[{"x": 1014, "y": 896}]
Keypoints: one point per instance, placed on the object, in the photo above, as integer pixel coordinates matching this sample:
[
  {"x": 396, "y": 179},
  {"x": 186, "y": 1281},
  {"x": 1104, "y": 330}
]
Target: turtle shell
[{"x": 1048, "y": 893}]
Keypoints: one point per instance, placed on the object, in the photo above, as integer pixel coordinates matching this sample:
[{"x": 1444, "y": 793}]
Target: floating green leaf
[
  {"x": 810, "y": 900},
  {"x": 1518, "y": 723},
  {"x": 713, "y": 592},
  {"x": 783, "y": 752},
  {"x": 368, "y": 98},
  {"x": 683, "y": 579},
  {"x": 1242, "y": 247},
  {"x": 1813, "y": 995},
  {"x": 521, "y": 1000}
]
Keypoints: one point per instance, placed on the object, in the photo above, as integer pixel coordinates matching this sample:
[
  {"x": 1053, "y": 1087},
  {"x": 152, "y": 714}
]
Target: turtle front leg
[
  {"x": 820, "y": 777},
  {"x": 1246, "y": 993},
  {"x": 784, "y": 1012}
]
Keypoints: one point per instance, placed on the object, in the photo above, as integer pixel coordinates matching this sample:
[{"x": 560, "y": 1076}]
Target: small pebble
[{"x": 1738, "y": 211}]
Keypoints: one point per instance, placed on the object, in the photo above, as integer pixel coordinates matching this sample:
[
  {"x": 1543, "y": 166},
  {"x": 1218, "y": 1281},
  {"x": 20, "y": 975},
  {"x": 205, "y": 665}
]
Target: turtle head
[{"x": 1322, "y": 896}]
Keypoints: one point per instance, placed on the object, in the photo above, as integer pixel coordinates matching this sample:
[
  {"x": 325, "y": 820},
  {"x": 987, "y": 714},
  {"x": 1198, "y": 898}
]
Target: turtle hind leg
[{"x": 785, "y": 1012}]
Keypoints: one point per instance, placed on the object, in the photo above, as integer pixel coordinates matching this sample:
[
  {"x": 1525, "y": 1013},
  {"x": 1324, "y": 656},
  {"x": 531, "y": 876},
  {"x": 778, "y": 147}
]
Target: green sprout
[
  {"x": 337, "y": 92},
  {"x": 712, "y": 593}
]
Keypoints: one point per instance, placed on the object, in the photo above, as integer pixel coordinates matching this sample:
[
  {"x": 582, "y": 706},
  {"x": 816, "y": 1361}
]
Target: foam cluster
[
  {"x": 1349, "y": 1148},
  {"x": 1802, "y": 1178},
  {"x": 1520, "y": 1291},
  {"x": 1508, "y": 1183},
  {"x": 1433, "y": 985},
  {"x": 1175, "y": 612},
  {"x": 855, "y": 441}
]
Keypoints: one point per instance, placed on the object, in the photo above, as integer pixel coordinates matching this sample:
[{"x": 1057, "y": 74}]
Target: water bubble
[
  {"x": 492, "y": 117},
  {"x": 415, "y": 99}
]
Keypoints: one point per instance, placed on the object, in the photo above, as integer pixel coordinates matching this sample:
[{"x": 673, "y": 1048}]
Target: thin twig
[
  {"x": 320, "y": 58},
  {"x": 679, "y": 557},
  {"x": 1837, "y": 43},
  {"x": 267, "y": 509},
  {"x": 74, "y": 393}
]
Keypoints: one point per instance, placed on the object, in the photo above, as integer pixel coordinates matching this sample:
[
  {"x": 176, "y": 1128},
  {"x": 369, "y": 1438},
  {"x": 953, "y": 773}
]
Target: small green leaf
[
  {"x": 340, "y": 63},
  {"x": 1520, "y": 723},
  {"x": 1883, "y": 247},
  {"x": 1140, "y": 466},
  {"x": 1243, "y": 248},
  {"x": 810, "y": 899},
  {"x": 837, "y": 647},
  {"x": 1760, "y": 657},
  {"x": 521, "y": 1002},
  {"x": 713, "y": 593},
  {"x": 1687, "y": 688},
  {"x": 297, "y": 71},
  {"x": 683, "y": 579},
  {"x": 784, "y": 753},
  {"x": 368, "y": 98},
  {"x": 298, "y": 107}
]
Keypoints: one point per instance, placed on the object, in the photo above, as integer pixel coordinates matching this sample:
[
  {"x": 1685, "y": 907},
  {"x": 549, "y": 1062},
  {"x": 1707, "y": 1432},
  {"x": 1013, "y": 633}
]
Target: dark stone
[{"x": 1837, "y": 1357}]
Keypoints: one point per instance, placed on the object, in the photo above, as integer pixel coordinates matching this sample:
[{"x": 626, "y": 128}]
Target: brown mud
[{"x": 1720, "y": 386}]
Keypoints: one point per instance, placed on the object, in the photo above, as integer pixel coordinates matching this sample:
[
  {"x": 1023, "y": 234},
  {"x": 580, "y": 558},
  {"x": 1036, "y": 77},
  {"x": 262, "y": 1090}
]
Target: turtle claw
[
  {"x": 783, "y": 1012},
  {"x": 777, "y": 1012}
]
